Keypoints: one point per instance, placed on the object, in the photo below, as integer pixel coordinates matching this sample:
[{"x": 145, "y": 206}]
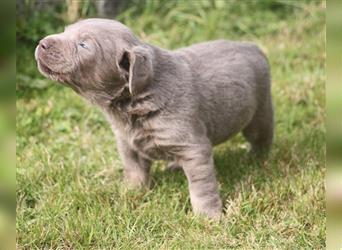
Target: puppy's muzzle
[{"x": 46, "y": 44}]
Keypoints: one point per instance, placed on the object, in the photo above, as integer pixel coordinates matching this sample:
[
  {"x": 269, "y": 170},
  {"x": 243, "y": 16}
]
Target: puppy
[{"x": 170, "y": 105}]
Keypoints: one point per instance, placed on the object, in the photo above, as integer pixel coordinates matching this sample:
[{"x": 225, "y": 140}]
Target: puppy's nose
[{"x": 46, "y": 44}]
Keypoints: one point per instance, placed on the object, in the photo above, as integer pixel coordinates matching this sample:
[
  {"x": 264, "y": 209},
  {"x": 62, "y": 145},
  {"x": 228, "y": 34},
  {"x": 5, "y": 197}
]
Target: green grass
[{"x": 69, "y": 176}]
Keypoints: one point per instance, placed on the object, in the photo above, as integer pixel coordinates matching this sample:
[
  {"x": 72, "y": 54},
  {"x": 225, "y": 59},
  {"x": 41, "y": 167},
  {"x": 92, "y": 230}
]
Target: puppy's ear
[{"x": 137, "y": 63}]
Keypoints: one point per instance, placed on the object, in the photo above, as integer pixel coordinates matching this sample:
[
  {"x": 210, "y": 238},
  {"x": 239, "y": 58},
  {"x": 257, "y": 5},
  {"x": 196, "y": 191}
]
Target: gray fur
[{"x": 170, "y": 105}]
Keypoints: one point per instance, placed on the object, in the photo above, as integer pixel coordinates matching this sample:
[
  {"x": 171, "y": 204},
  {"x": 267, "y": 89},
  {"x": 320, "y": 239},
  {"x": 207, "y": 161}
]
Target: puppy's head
[{"x": 97, "y": 58}]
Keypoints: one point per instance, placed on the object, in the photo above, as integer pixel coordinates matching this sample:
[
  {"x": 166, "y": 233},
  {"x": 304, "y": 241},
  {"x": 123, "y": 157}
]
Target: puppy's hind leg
[{"x": 259, "y": 132}]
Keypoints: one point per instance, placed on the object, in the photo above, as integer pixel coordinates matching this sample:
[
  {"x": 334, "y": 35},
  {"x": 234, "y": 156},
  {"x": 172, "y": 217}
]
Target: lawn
[{"x": 69, "y": 176}]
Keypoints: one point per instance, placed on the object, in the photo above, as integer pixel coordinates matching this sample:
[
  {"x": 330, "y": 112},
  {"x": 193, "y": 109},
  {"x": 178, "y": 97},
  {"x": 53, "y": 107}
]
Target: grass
[{"x": 69, "y": 177}]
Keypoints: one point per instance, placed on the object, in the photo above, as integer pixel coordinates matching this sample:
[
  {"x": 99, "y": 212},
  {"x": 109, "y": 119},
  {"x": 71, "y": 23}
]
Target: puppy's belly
[
  {"x": 229, "y": 127},
  {"x": 228, "y": 117}
]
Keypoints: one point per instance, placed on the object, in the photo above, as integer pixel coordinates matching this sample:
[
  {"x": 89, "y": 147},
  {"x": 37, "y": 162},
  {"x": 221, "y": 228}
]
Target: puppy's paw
[
  {"x": 211, "y": 210},
  {"x": 136, "y": 181},
  {"x": 260, "y": 153}
]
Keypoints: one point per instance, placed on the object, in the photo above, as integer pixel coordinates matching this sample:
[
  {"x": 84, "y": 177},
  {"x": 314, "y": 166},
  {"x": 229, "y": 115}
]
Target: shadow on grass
[
  {"x": 232, "y": 166},
  {"x": 239, "y": 172},
  {"x": 235, "y": 166}
]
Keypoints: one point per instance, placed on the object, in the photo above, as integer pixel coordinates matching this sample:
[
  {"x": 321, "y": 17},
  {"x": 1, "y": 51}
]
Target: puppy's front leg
[
  {"x": 199, "y": 169},
  {"x": 136, "y": 168}
]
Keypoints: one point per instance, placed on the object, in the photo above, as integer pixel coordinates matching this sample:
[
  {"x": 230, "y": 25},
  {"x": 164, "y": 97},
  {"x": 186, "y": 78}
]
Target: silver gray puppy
[{"x": 170, "y": 105}]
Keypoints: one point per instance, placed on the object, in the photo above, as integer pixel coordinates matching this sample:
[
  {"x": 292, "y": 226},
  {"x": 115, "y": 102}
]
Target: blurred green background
[
  {"x": 334, "y": 125},
  {"x": 7, "y": 124},
  {"x": 69, "y": 190}
]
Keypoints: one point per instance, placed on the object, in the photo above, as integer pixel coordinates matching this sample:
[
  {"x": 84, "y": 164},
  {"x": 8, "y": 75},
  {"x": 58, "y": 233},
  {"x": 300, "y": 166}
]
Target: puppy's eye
[{"x": 83, "y": 45}]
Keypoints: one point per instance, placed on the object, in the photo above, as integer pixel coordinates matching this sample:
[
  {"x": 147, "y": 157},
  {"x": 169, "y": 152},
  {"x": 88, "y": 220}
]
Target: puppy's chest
[
  {"x": 139, "y": 123},
  {"x": 143, "y": 138}
]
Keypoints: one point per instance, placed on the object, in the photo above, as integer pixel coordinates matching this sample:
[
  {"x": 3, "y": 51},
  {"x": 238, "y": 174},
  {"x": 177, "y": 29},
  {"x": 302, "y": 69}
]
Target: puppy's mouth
[
  {"x": 46, "y": 69},
  {"x": 53, "y": 75},
  {"x": 43, "y": 66}
]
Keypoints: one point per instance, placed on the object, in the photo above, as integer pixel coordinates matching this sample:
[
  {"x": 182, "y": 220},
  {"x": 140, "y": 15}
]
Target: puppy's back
[
  {"x": 238, "y": 60},
  {"x": 230, "y": 78}
]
